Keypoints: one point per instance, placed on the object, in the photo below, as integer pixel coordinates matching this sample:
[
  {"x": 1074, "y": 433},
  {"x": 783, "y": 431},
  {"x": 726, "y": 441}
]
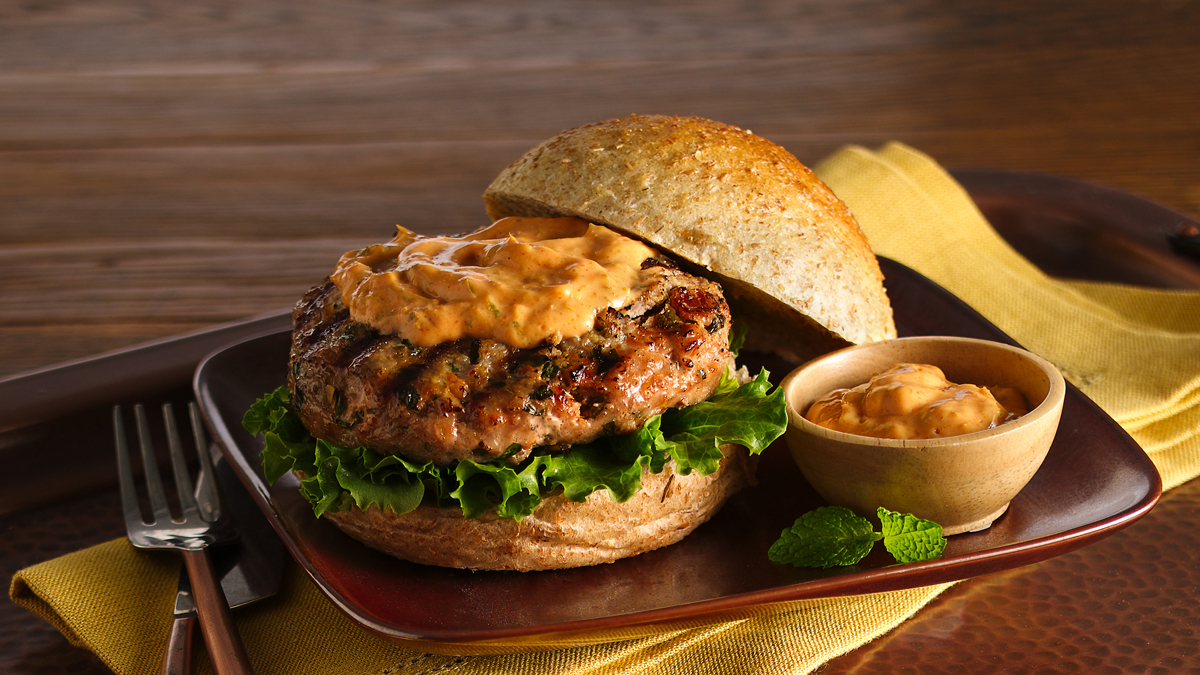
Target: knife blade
[{"x": 250, "y": 569}]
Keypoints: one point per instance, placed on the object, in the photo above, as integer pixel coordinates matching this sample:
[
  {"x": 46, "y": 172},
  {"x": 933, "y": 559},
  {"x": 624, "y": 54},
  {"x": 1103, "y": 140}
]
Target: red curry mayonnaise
[
  {"x": 912, "y": 400},
  {"x": 518, "y": 281}
]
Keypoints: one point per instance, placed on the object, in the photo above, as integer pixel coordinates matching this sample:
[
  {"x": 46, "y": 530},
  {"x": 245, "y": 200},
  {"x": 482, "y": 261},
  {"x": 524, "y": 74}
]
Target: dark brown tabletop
[{"x": 167, "y": 169}]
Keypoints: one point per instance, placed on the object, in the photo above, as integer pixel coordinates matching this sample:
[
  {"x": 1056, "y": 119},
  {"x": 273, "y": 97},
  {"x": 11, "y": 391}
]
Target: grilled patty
[{"x": 483, "y": 400}]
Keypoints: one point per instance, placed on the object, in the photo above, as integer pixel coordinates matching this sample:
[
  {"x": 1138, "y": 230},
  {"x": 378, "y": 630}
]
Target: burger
[{"x": 558, "y": 389}]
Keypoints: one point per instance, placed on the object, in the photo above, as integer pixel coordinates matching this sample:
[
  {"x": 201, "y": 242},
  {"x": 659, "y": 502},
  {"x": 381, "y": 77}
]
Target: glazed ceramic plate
[{"x": 1095, "y": 480}]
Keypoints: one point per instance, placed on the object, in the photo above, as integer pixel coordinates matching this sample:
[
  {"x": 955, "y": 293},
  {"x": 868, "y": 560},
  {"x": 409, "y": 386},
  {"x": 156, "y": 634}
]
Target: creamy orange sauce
[
  {"x": 519, "y": 281},
  {"x": 911, "y": 400}
]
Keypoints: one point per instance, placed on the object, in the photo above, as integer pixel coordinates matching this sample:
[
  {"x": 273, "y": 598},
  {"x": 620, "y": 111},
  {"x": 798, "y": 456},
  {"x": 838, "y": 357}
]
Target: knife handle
[
  {"x": 216, "y": 621},
  {"x": 178, "y": 659}
]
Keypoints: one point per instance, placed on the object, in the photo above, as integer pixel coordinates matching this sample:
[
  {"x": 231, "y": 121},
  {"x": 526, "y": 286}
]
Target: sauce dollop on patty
[{"x": 518, "y": 281}]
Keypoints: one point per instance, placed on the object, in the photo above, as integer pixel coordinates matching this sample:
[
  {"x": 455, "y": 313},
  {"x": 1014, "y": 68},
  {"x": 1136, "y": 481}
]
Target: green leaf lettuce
[{"x": 335, "y": 477}]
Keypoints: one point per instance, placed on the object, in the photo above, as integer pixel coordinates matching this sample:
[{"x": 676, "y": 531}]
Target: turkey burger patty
[{"x": 483, "y": 400}]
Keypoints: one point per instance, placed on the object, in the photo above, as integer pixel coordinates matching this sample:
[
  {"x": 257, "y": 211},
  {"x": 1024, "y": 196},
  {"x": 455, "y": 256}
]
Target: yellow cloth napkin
[
  {"x": 1134, "y": 351},
  {"x": 116, "y": 601}
]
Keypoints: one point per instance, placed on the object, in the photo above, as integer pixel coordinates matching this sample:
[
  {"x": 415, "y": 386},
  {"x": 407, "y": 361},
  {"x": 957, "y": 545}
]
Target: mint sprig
[{"x": 834, "y": 536}]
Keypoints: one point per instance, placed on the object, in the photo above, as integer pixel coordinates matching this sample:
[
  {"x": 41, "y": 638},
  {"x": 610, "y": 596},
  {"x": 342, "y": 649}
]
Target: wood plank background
[{"x": 169, "y": 166}]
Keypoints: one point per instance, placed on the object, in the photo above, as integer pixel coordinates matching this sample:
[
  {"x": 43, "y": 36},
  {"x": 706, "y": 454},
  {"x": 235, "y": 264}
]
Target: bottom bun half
[{"x": 559, "y": 533}]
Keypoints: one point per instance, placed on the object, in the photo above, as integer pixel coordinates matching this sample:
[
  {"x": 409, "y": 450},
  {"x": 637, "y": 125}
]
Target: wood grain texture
[{"x": 169, "y": 167}]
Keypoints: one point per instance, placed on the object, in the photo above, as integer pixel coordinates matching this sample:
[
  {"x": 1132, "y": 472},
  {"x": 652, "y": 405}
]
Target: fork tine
[
  {"x": 129, "y": 501},
  {"x": 183, "y": 482},
  {"x": 158, "y": 499},
  {"x": 207, "y": 497}
]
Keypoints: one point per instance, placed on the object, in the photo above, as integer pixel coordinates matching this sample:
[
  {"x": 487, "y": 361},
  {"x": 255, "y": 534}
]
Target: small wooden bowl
[{"x": 964, "y": 482}]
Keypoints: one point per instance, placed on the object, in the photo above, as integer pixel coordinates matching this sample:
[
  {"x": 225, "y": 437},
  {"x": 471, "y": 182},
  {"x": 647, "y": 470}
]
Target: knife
[{"x": 250, "y": 568}]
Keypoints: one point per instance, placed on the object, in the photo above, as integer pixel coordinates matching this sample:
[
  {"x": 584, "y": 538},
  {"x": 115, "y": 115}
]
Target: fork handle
[{"x": 216, "y": 621}]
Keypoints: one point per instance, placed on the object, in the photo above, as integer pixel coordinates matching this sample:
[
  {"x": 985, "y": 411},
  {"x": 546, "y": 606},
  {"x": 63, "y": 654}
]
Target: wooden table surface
[{"x": 168, "y": 167}]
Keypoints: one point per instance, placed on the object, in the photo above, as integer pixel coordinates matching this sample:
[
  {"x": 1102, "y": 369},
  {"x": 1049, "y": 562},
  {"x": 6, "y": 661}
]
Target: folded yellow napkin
[
  {"x": 116, "y": 601},
  {"x": 1134, "y": 351}
]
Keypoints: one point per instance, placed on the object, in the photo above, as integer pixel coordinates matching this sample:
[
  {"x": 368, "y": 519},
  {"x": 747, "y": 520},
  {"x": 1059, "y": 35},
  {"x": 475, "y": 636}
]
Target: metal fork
[{"x": 199, "y": 527}]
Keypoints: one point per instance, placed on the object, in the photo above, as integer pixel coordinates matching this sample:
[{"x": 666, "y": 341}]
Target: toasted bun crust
[
  {"x": 793, "y": 261},
  {"x": 560, "y": 533}
]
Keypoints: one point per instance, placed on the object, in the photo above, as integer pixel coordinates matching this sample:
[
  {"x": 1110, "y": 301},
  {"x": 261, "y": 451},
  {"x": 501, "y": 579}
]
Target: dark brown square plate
[{"x": 1095, "y": 480}]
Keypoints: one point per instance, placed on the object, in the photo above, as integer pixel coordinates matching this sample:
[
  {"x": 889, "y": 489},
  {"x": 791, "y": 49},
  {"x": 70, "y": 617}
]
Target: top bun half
[{"x": 793, "y": 261}]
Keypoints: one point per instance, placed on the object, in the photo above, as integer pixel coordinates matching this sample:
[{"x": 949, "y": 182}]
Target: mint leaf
[
  {"x": 827, "y": 537},
  {"x": 909, "y": 538}
]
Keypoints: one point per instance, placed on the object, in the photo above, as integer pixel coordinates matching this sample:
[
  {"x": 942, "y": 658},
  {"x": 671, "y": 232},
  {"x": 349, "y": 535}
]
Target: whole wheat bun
[
  {"x": 794, "y": 263},
  {"x": 559, "y": 533}
]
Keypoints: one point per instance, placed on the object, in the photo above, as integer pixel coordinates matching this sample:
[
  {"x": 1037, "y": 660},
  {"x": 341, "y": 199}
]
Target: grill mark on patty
[{"x": 476, "y": 398}]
